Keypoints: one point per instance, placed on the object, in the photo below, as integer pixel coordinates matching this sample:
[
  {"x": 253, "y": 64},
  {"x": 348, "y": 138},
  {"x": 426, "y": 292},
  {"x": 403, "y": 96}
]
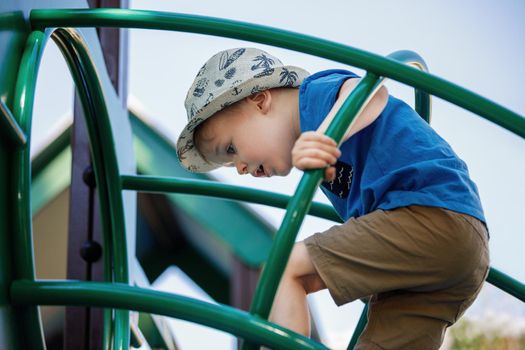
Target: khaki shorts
[{"x": 420, "y": 267}]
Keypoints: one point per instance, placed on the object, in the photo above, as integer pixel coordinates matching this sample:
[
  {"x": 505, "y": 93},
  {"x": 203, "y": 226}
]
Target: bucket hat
[{"x": 226, "y": 78}]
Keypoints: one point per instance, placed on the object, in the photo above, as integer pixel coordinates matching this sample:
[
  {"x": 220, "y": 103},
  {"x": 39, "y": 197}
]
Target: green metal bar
[
  {"x": 385, "y": 67},
  {"x": 108, "y": 331},
  {"x": 105, "y": 165},
  {"x": 163, "y": 184},
  {"x": 122, "y": 296},
  {"x": 156, "y": 335},
  {"x": 300, "y": 203},
  {"x": 506, "y": 283},
  {"x": 22, "y": 237},
  {"x": 423, "y": 101},
  {"x": 71, "y": 58},
  {"x": 361, "y": 324},
  {"x": 101, "y": 142},
  {"x": 10, "y": 127}
]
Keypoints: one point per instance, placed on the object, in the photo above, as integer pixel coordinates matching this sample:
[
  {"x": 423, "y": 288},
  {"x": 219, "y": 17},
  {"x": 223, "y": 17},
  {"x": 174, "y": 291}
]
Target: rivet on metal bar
[
  {"x": 89, "y": 177},
  {"x": 91, "y": 251}
]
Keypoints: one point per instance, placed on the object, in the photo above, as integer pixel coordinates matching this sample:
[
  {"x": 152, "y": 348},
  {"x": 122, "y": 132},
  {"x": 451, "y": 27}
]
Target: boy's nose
[{"x": 242, "y": 168}]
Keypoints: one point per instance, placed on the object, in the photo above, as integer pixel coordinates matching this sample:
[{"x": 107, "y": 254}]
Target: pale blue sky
[{"x": 479, "y": 45}]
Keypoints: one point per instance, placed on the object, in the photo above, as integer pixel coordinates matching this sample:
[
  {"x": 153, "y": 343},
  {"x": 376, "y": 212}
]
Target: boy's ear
[{"x": 262, "y": 100}]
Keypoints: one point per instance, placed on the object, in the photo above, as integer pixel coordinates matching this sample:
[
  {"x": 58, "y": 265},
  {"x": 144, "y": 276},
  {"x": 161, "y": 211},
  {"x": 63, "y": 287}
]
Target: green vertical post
[{"x": 22, "y": 231}]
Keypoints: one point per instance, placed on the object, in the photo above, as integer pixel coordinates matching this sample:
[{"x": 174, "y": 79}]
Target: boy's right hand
[{"x": 314, "y": 150}]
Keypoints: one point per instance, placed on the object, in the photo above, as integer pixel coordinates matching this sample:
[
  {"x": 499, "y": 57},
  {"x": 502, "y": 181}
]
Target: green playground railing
[
  {"x": 115, "y": 293},
  {"x": 370, "y": 62},
  {"x": 23, "y": 240},
  {"x": 118, "y": 295}
]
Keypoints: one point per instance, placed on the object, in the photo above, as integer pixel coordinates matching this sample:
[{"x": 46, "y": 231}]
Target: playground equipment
[{"x": 71, "y": 30}]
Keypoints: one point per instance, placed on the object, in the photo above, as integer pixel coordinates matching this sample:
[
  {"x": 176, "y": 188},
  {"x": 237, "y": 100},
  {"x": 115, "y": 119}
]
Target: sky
[{"x": 477, "y": 44}]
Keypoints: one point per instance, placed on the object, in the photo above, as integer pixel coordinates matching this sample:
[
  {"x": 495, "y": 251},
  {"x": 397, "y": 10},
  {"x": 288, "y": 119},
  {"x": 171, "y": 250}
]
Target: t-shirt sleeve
[{"x": 318, "y": 94}]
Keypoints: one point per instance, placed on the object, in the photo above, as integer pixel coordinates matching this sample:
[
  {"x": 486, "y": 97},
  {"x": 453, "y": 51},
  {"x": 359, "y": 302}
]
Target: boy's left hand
[{"x": 314, "y": 150}]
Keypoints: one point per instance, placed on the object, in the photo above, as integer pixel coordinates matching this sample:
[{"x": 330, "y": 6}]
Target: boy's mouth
[{"x": 260, "y": 172}]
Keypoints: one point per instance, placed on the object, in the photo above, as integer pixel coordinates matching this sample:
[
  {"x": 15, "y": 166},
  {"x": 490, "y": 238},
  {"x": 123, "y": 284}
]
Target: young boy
[{"x": 414, "y": 242}]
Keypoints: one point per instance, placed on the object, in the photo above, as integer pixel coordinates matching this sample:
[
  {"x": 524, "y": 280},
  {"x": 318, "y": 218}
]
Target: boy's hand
[{"x": 314, "y": 150}]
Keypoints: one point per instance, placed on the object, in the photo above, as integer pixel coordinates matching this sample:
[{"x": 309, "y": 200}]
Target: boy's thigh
[{"x": 420, "y": 249}]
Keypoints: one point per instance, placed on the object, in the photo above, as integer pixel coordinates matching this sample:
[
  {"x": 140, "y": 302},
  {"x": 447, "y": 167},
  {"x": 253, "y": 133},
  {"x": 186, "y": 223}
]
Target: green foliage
[{"x": 468, "y": 335}]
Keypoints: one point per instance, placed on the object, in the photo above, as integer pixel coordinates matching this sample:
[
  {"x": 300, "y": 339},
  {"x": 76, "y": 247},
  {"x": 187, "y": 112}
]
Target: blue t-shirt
[{"x": 396, "y": 161}]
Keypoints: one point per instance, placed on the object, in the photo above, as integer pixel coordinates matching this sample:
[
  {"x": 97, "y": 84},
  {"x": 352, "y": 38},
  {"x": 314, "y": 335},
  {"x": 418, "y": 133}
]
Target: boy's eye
[{"x": 230, "y": 149}]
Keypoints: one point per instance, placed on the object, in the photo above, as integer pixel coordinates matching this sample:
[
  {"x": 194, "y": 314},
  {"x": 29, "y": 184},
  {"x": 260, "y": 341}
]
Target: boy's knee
[
  {"x": 297, "y": 261},
  {"x": 301, "y": 270}
]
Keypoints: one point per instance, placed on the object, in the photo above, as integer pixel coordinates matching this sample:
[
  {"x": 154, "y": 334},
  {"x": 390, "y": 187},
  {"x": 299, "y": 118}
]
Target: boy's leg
[
  {"x": 418, "y": 320},
  {"x": 425, "y": 264},
  {"x": 290, "y": 307}
]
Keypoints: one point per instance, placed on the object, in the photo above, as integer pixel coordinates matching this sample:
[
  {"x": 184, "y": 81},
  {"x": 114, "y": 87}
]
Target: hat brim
[{"x": 188, "y": 155}]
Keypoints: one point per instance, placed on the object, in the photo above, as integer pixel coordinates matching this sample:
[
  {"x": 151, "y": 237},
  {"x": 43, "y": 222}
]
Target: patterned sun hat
[{"x": 228, "y": 77}]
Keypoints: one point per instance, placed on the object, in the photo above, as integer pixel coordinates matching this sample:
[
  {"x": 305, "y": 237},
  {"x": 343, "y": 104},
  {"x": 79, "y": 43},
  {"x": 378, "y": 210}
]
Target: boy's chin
[{"x": 284, "y": 172}]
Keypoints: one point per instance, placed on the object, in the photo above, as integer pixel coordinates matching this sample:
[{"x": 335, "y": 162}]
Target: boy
[{"x": 414, "y": 241}]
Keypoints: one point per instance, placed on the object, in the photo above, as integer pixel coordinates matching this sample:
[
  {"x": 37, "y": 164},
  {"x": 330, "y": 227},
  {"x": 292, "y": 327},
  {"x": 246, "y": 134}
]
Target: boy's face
[{"x": 255, "y": 142}]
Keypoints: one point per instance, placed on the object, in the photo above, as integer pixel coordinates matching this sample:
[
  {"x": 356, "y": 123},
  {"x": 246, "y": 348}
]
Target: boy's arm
[
  {"x": 314, "y": 150},
  {"x": 367, "y": 116}
]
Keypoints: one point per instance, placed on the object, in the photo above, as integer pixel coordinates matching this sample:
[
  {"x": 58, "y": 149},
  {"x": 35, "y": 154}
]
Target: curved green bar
[
  {"x": 71, "y": 58},
  {"x": 9, "y": 125},
  {"x": 105, "y": 164},
  {"x": 69, "y": 55},
  {"x": 363, "y": 319},
  {"x": 22, "y": 229},
  {"x": 123, "y": 296},
  {"x": 423, "y": 104},
  {"x": 506, "y": 283},
  {"x": 163, "y": 184},
  {"x": 385, "y": 67}
]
